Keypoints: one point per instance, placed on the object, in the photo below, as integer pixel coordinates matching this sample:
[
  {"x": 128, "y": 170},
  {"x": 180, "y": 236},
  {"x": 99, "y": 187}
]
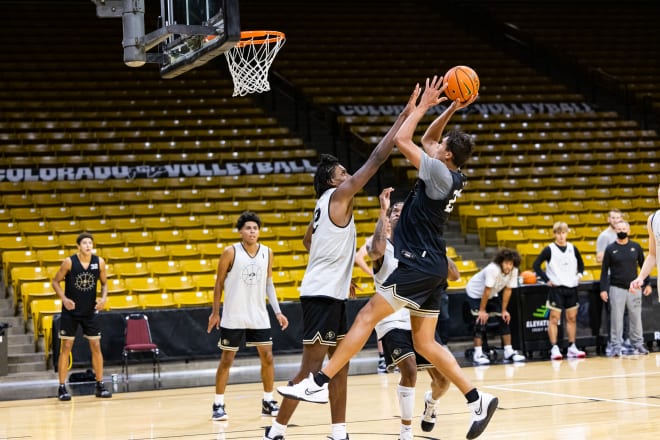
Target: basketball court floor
[{"x": 593, "y": 398}]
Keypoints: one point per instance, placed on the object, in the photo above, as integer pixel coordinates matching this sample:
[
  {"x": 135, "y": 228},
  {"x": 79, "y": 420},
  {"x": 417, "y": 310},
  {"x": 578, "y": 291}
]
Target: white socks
[{"x": 406, "y": 401}]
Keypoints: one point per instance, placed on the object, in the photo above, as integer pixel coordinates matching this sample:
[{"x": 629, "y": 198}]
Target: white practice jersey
[
  {"x": 562, "y": 267},
  {"x": 244, "y": 305},
  {"x": 331, "y": 255},
  {"x": 401, "y": 318}
]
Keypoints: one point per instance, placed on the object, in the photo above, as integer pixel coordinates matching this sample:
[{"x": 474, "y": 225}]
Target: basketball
[
  {"x": 461, "y": 82},
  {"x": 528, "y": 277}
]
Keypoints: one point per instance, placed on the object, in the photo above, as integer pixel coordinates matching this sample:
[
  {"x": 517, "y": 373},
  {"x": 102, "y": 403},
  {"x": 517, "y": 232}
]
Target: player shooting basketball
[{"x": 417, "y": 281}]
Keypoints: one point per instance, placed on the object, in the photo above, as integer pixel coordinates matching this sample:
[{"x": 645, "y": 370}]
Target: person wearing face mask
[{"x": 621, "y": 261}]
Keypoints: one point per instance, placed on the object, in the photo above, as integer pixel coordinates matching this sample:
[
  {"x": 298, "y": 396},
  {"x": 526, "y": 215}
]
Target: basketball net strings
[{"x": 249, "y": 66}]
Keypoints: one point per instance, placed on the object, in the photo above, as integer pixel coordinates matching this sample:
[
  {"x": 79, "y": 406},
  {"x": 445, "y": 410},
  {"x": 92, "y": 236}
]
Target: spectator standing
[{"x": 620, "y": 262}]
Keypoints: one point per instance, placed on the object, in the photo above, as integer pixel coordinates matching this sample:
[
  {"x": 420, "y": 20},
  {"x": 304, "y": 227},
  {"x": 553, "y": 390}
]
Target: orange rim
[{"x": 260, "y": 37}]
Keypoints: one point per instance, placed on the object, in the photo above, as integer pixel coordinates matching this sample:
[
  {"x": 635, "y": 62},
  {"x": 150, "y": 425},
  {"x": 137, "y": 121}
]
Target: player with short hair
[
  {"x": 245, "y": 276},
  {"x": 421, "y": 274},
  {"x": 564, "y": 267},
  {"x": 331, "y": 240},
  {"x": 81, "y": 273}
]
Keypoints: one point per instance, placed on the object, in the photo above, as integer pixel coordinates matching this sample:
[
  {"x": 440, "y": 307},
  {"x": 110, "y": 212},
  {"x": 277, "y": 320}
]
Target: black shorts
[
  {"x": 397, "y": 346},
  {"x": 494, "y": 310},
  {"x": 324, "y": 320},
  {"x": 230, "y": 338},
  {"x": 562, "y": 298},
  {"x": 420, "y": 292},
  {"x": 69, "y": 326}
]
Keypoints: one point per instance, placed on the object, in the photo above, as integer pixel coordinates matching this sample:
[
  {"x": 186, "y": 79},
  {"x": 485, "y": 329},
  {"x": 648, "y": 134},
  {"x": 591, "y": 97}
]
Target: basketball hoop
[{"x": 250, "y": 60}]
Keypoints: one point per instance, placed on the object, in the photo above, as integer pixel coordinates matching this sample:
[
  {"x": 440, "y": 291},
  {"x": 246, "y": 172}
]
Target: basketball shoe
[
  {"x": 62, "y": 393},
  {"x": 267, "y": 435},
  {"x": 269, "y": 408},
  {"x": 428, "y": 416},
  {"x": 306, "y": 390},
  {"x": 219, "y": 413},
  {"x": 101, "y": 391},
  {"x": 555, "y": 353},
  {"x": 482, "y": 410},
  {"x": 574, "y": 352}
]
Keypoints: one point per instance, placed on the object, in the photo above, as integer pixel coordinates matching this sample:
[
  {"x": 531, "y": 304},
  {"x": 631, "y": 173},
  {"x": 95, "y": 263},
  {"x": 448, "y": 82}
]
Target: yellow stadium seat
[
  {"x": 169, "y": 236},
  {"x": 297, "y": 275},
  {"x": 197, "y": 266},
  {"x": 282, "y": 278},
  {"x": 467, "y": 268},
  {"x": 451, "y": 253},
  {"x": 177, "y": 251},
  {"x": 25, "y": 213},
  {"x": 176, "y": 283},
  {"x": 200, "y": 235},
  {"x": 210, "y": 250},
  {"x": 217, "y": 221},
  {"x": 149, "y": 253},
  {"x": 192, "y": 298},
  {"x": 156, "y": 300},
  {"x": 124, "y": 225},
  {"x": 202, "y": 208},
  {"x": 9, "y": 231},
  {"x": 289, "y": 232},
  {"x": 117, "y": 254},
  {"x": 51, "y": 256},
  {"x": 459, "y": 284},
  {"x": 290, "y": 261},
  {"x": 528, "y": 253},
  {"x": 40, "y": 308},
  {"x": 288, "y": 293},
  {"x": 65, "y": 226},
  {"x": 21, "y": 275},
  {"x": 468, "y": 215},
  {"x": 36, "y": 290},
  {"x": 487, "y": 228},
  {"x": 365, "y": 288},
  {"x": 508, "y": 238},
  {"x": 17, "y": 258},
  {"x": 117, "y": 286},
  {"x": 86, "y": 212},
  {"x": 135, "y": 238},
  {"x": 297, "y": 246},
  {"x": 204, "y": 281},
  {"x": 139, "y": 285},
  {"x": 122, "y": 302},
  {"x": 37, "y": 242},
  {"x": 186, "y": 222},
  {"x": 168, "y": 267},
  {"x": 51, "y": 213},
  {"x": 131, "y": 269},
  {"x": 277, "y": 246},
  {"x": 95, "y": 225}
]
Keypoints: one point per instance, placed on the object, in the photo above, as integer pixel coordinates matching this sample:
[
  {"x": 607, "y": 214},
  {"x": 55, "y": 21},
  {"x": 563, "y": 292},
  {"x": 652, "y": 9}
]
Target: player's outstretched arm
[
  {"x": 359, "y": 179},
  {"x": 404, "y": 137}
]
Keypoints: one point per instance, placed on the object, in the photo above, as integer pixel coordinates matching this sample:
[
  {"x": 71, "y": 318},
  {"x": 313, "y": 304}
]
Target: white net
[{"x": 249, "y": 61}]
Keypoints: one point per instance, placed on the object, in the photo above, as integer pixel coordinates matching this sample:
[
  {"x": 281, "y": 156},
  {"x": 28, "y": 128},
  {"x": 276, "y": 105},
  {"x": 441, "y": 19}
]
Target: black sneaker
[
  {"x": 101, "y": 391},
  {"x": 269, "y": 408},
  {"x": 266, "y": 435},
  {"x": 62, "y": 394},
  {"x": 219, "y": 412}
]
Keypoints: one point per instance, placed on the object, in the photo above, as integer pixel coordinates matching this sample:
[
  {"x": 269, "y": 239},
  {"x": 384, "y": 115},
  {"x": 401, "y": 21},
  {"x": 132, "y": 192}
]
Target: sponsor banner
[{"x": 102, "y": 172}]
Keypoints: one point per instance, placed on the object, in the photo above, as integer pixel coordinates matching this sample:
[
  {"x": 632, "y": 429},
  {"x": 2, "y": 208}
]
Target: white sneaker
[
  {"x": 482, "y": 410},
  {"x": 268, "y": 437},
  {"x": 480, "y": 359},
  {"x": 514, "y": 356},
  {"x": 406, "y": 434},
  {"x": 555, "y": 353},
  {"x": 428, "y": 416},
  {"x": 574, "y": 352},
  {"x": 306, "y": 390}
]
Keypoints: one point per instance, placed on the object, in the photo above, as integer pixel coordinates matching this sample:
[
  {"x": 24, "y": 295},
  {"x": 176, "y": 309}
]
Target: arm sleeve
[
  {"x": 437, "y": 177},
  {"x": 580, "y": 261},
  {"x": 272, "y": 297},
  {"x": 543, "y": 256}
]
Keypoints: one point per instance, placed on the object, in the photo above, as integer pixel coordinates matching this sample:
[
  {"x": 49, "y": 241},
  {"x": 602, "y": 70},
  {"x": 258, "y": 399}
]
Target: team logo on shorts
[
  {"x": 330, "y": 336},
  {"x": 397, "y": 352},
  {"x": 225, "y": 341}
]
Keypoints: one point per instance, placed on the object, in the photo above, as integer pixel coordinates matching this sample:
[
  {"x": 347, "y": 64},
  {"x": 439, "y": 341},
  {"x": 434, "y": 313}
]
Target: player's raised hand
[
  {"x": 432, "y": 92},
  {"x": 384, "y": 198}
]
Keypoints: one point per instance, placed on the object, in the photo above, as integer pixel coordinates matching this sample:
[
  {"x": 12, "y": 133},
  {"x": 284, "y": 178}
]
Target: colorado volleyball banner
[
  {"x": 102, "y": 172},
  {"x": 525, "y": 108}
]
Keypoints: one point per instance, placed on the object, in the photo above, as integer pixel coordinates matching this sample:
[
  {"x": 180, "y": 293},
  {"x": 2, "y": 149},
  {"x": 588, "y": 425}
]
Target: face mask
[{"x": 621, "y": 235}]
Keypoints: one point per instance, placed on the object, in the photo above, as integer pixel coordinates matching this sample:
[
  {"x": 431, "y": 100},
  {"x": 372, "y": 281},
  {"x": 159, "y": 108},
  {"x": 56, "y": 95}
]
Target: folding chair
[{"x": 138, "y": 340}]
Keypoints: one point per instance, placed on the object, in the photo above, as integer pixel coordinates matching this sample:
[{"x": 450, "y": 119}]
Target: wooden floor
[{"x": 594, "y": 398}]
